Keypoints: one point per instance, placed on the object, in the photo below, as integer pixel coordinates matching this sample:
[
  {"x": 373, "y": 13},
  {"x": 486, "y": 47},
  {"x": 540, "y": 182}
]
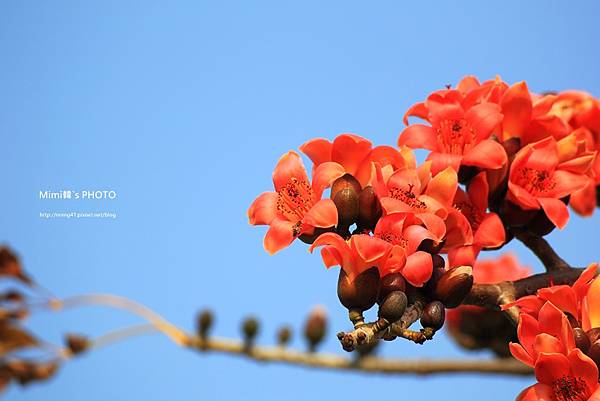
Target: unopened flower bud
[
  {"x": 347, "y": 181},
  {"x": 346, "y": 202},
  {"x": 513, "y": 216},
  {"x": 284, "y": 335},
  {"x": 454, "y": 285},
  {"x": 76, "y": 343},
  {"x": 593, "y": 334},
  {"x": 369, "y": 209},
  {"x": 250, "y": 328},
  {"x": 391, "y": 282},
  {"x": 581, "y": 339},
  {"x": 594, "y": 352},
  {"x": 433, "y": 315},
  {"x": 204, "y": 322},
  {"x": 393, "y": 306},
  {"x": 360, "y": 294},
  {"x": 315, "y": 327}
]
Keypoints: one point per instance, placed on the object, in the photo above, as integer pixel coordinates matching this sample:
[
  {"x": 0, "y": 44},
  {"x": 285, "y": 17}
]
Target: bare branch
[
  {"x": 365, "y": 364},
  {"x": 542, "y": 249}
]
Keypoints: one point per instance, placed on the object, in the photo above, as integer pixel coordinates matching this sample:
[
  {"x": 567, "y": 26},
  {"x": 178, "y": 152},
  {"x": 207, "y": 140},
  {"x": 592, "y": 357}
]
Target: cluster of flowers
[
  {"x": 500, "y": 158},
  {"x": 559, "y": 335}
]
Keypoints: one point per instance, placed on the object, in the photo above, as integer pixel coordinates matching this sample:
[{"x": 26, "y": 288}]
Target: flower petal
[
  {"x": 418, "y": 268},
  {"x": 324, "y": 175},
  {"x": 289, "y": 166},
  {"x": 550, "y": 367},
  {"x": 279, "y": 235},
  {"x": 490, "y": 233},
  {"x": 516, "y": 108},
  {"x": 418, "y": 136},
  {"x": 486, "y": 154},
  {"x": 593, "y": 303},
  {"x": 584, "y": 368},
  {"x": 537, "y": 392},
  {"x": 442, "y": 186},
  {"x": 318, "y": 150},
  {"x": 350, "y": 151},
  {"x": 520, "y": 354},
  {"x": 556, "y": 210},
  {"x": 484, "y": 118},
  {"x": 323, "y": 214},
  {"x": 264, "y": 209}
]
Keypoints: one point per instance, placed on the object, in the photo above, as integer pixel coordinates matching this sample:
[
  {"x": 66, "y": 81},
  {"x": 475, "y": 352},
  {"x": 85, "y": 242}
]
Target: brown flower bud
[
  {"x": 437, "y": 272},
  {"x": 369, "y": 209},
  {"x": 593, "y": 334},
  {"x": 346, "y": 202},
  {"x": 360, "y": 294},
  {"x": 391, "y": 282},
  {"x": 284, "y": 335},
  {"x": 204, "y": 322},
  {"x": 393, "y": 306},
  {"x": 315, "y": 327},
  {"x": 581, "y": 339},
  {"x": 76, "y": 343},
  {"x": 250, "y": 328},
  {"x": 433, "y": 315},
  {"x": 454, "y": 285},
  {"x": 594, "y": 352},
  {"x": 347, "y": 181},
  {"x": 310, "y": 238},
  {"x": 513, "y": 216}
]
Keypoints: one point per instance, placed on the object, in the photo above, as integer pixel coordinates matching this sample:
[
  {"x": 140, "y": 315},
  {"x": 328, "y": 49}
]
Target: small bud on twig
[
  {"x": 433, "y": 315},
  {"x": 284, "y": 335},
  {"x": 77, "y": 343},
  {"x": 315, "y": 328},
  {"x": 204, "y": 323},
  {"x": 391, "y": 282},
  {"x": 393, "y": 306},
  {"x": 250, "y": 328}
]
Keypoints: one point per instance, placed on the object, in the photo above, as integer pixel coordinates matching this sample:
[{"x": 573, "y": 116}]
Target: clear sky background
[{"x": 184, "y": 109}]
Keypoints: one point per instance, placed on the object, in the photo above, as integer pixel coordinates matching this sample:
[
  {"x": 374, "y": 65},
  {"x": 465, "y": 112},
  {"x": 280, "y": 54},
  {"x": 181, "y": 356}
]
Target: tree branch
[
  {"x": 542, "y": 249},
  {"x": 365, "y": 364}
]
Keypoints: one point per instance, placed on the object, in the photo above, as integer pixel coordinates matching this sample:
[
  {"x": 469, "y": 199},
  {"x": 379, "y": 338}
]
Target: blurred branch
[
  {"x": 542, "y": 249},
  {"x": 365, "y": 364}
]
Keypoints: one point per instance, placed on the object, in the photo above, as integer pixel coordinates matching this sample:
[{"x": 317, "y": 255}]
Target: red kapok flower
[
  {"x": 571, "y": 377},
  {"x": 296, "y": 207},
  {"x": 405, "y": 233},
  {"x": 355, "y": 155},
  {"x": 486, "y": 228},
  {"x": 410, "y": 191},
  {"x": 540, "y": 176},
  {"x": 458, "y": 135},
  {"x": 355, "y": 255}
]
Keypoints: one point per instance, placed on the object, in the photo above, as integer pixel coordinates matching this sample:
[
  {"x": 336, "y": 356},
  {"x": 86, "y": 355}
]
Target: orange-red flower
[
  {"x": 392, "y": 248},
  {"x": 355, "y": 255},
  {"x": 570, "y": 377},
  {"x": 470, "y": 214},
  {"x": 296, "y": 207},
  {"x": 414, "y": 191},
  {"x": 544, "y": 172},
  {"x": 356, "y": 155},
  {"x": 460, "y": 132}
]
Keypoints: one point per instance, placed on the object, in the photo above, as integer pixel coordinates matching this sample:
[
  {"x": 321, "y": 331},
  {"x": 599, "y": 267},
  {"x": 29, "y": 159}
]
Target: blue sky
[{"x": 184, "y": 109}]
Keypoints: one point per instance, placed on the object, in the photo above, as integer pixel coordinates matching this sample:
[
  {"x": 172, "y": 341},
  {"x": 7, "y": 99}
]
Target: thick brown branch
[
  {"x": 493, "y": 295},
  {"x": 542, "y": 249},
  {"x": 365, "y": 364}
]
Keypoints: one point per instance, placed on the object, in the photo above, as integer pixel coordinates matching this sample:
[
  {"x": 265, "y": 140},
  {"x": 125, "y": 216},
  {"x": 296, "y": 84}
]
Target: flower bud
[
  {"x": 77, "y": 344},
  {"x": 391, "y": 282},
  {"x": 347, "y": 181},
  {"x": 360, "y": 294},
  {"x": 369, "y": 209},
  {"x": 204, "y": 322},
  {"x": 513, "y": 216},
  {"x": 310, "y": 238},
  {"x": 315, "y": 327},
  {"x": 454, "y": 285},
  {"x": 594, "y": 352},
  {"x": 284, "y": 335},
  {"x": 433, "y": 315},
  {"x": 438, "y": 271},
  {"x": 346, "y": 202},
  {"x": 250, "y": 328},
  {"x": 593, "y": 334},
  {"x": 581, "y": 339},
  {"x": 393, "y": 306},
  {"x": 541, "y": 224}
]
